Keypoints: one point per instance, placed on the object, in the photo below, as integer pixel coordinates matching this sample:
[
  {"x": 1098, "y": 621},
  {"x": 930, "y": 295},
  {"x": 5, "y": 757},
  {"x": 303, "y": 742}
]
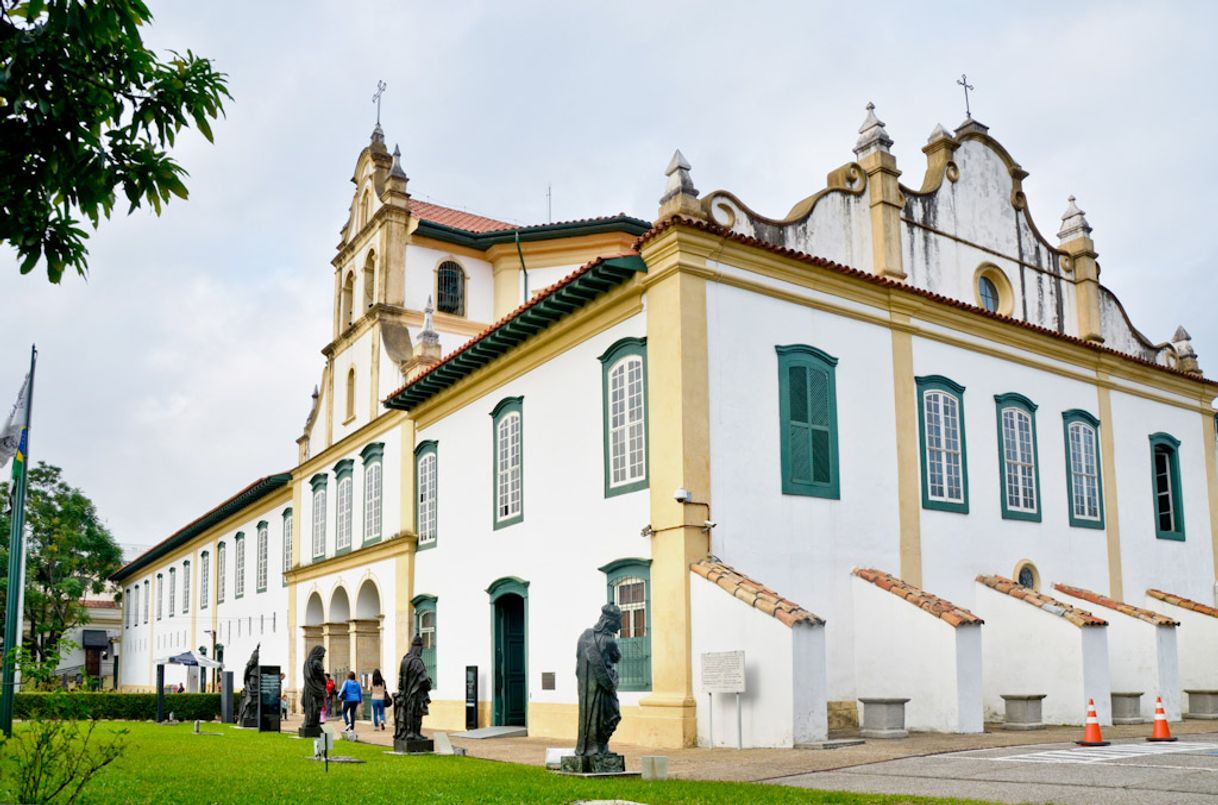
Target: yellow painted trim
[
  {"x": 561, "y": 251},
  {"x": 1112, "y": 512},
  {"x": 1209, "y": 444},
  {"x": 359, "y": 557},
  {"x": 607, "y": 311},
  {"x": 366, "y": 433},
  {"x": 374, "y": 386},
  {"x": 909, "y": 491},
  {"x": 1006, "y": 293}
]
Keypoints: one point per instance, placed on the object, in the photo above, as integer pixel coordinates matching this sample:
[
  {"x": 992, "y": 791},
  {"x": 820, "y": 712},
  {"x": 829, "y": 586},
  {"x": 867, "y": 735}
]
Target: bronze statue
[
  {"x": 248, "y": 714},
  {"x": 411, "y": 700},
  {"x": 596, "y": 654},
  {"x": 313, "y": 693}
]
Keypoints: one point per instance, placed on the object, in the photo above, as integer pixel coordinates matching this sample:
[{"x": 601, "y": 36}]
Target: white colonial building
[{"x": 903, "y": 408}]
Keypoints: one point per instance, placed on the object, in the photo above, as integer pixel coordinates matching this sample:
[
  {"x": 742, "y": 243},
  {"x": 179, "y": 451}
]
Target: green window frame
[
  {"x": 1018, "y": 457},
  {"x": 807, "y": 414},
  {"x": 287, "y": 543},
  {"x": 507, "y": 462},
  {"x": 1084, "y": 469},
  {"x": 185, "y": 586},
  {"x": 261, "y": 559},
  {"x": 425, "y": 627},
  {"x": 319, "y": 482},
  {"x": 239, "y": 565},
  {"x": 944, "y": 455},
  {"x": 204, "y": 578},
  {"x": 160, "y": 594},
  {"x": 374, "y": 499},
  {"x": 344, "y": 503},
  {"x": 623, "y": 579},
  {"x": 1168, "y": 501},
  {"x": 427, "y": 493},
  {"x": 624, "y": 416},
  {"x": 221, "y": 560},
  {"x": 173, "y": 584}
]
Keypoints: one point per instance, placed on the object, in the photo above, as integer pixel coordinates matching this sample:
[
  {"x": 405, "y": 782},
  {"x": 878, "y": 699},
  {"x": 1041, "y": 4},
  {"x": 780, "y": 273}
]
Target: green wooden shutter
[
  {"x": 808, "y": 413},
  {"x": 799, "y": 426}
]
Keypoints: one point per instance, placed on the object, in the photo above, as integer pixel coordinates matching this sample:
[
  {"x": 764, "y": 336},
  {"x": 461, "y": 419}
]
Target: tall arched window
[
  {"x": 1084, "y": 486},
  {"x": 342, "y": 531},
  {"x": 1017, "y": 450},
  {"x": 944, "y": 458},
  {"x": 369, "y": 281},
  {"x": 260, "y": 567},
  {"x": 186, "y": 586},
  {"x": 624, "y": 409},
  {"x": 450, "y": 288},
  {"x": 173, "y": 583},
  {"x": 1165, "y": 475},
  {"x": 347, "y": 301},
  {"x": 425, "y": 474},
  {"x": 221, "y": 552},
  {"x": 204, "y": 578},
  {"x": 508, "y": 490},
  {"x": 351, "y": 393},
  {"x": 372, "y": 456},
  {"x": 287, "y": 543},
  {"x": 365, "y": 209}
]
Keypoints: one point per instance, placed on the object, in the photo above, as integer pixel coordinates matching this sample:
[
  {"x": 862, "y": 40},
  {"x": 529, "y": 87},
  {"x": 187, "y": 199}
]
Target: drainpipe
[{"x": 520, "y": 254}]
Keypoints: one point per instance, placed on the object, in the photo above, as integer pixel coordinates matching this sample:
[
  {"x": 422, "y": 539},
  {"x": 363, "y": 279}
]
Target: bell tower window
[
  {"x": 350, "y": 393},
  {"x": 369, "y": 282},
  {"x": 450, "y": 288},
  {"x": 348, "y": 298}
]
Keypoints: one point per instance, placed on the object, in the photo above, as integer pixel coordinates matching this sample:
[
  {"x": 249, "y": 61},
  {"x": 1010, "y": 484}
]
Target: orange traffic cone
[
  {"x": 1161, "y": 732},
  {"x": 1091, "y": 732}
]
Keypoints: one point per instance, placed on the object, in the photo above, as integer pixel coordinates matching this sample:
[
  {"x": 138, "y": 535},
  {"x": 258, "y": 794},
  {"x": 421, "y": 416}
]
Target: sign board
[
  {"x": 269, "y": 690},
  {"x": 471, "y": 697},
  {"x": 723, "y": 672}
]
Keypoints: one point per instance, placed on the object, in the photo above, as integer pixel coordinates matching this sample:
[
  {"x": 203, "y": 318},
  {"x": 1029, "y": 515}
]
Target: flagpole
[{"x": 16, "y": 552}]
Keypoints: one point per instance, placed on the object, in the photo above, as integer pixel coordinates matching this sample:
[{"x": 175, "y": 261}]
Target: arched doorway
[
  {"x": 509, "y": 636},
  {"x": 367, "y": 627},
  {"x": 315, "y": 616},
  {"x": 338, "y": 634}
]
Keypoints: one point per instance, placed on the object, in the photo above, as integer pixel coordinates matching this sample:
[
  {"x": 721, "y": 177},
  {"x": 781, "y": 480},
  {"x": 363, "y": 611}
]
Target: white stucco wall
[
  {"x": 1029, "y": 651},
  {"x": 902, "y": 651},
  {"x": 569, "y": 530},
  {"x": 421, "y": 265},
  {"x": 1197, "y": 641},
  {"x": 784, "y": 700}
]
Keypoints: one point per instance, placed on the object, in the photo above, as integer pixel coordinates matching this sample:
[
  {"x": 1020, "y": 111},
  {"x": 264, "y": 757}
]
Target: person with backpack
[
  {"x": 351, "y": 694},
  {"x": 378, "y": 700}
]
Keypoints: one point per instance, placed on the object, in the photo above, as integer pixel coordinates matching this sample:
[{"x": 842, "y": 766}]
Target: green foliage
[
  {"x": 52, "y": 759},
  {"x": 69, "y": 552},
  {"x": 109, "y": 705},
  {"x": 87, "y": 110}
]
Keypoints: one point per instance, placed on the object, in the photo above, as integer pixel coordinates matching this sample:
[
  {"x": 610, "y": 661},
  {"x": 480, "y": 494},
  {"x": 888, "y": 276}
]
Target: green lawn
[{"x": 171, "y": 765}]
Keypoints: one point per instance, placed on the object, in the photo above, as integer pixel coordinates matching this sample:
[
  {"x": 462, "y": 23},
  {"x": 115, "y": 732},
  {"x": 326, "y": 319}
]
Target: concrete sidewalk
[{"x": 757, "y": 765}]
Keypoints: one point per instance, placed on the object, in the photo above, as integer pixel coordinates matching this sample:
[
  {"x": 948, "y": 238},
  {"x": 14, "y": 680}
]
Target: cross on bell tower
[
  {"x": 963, "y": 82},
  {"x": 381, "y": 86}
]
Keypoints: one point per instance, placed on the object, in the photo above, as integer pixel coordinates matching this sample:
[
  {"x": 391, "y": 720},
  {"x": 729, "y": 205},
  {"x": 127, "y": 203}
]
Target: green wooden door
[{"x": 511, "y": 693}]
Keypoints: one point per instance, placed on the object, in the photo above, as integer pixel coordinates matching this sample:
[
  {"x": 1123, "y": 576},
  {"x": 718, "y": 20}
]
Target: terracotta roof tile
[
  {"x": 753, "y": 592},
  {"x": 875, "y": 279},
  {"x": 457, "y": 219},
  {"x": 92, "y": 603},
  {"x": 1153, "y": 618},
  {"x": 933, "y": 604},
  {"x": 1183, "y": 603},
  {"x": 1079, "y": 617}
]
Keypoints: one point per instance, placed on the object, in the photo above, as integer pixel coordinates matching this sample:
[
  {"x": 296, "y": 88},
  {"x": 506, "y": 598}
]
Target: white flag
[{"x": 10, "y": 437}]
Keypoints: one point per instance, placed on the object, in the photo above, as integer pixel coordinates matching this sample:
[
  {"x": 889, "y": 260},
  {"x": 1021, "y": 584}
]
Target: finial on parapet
[
  {"x": 397, "y": 180},
  {"x": 398, "y": 170},
  {"x": 1186, "y": 356},
  {"x": 680, "y": 196},
  {"x": 1074, "y": 223},
  {"x": 426, "y": 347},
  {"x": 378, "y": 135},
  {"x": 939, "y": 133},
  {"x": 872, "y": 136},
  {"x": 428, "y": 335}
]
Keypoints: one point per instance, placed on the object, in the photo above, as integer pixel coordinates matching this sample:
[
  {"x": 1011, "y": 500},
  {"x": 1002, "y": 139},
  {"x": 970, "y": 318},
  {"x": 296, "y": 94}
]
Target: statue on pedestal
[
  {"x": 247, "y": 716},
  {"x": 596, "y": 654},
  {"x": 313, "y": 693},
  {"x": 410, "y": 702}
]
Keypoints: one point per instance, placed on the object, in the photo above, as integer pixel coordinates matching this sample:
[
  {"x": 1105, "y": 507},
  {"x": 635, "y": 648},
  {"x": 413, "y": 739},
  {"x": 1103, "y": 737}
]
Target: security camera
[
  {"x": 682, "y": 495},
  {"x": 708, "y": 525}
]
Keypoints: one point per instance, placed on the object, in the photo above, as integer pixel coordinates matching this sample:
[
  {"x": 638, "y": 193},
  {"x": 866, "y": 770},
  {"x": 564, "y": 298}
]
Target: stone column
[
  {"x": 338, "y": 648},
  {"x": 884, "y": 196},
  {"x": 366, "y": 641},
  {"x": 1075, "y": 241},
  {"x": 312, "y": 637}
]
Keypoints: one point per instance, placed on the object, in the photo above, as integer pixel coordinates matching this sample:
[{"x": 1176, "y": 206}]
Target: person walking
[
  {"x": 351, "y": 695},
  {"x": 328, "y": 707},
  {"x": 378, "y": 700}
]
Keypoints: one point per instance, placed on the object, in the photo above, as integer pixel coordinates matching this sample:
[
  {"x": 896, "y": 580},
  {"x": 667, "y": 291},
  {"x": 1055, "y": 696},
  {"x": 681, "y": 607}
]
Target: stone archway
[
  {"x": 338, "y": 634},
  {"x": 314, "y": 617},
  {"x": 366, "y": 629}
]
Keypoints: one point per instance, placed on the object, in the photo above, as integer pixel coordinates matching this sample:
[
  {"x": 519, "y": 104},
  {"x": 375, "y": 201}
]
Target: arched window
[
  {"x": 450, "y": 288},
  {"x": 629, "y": 583},
  {"x": 204, "y": 578},
  {"x": 1084, "y": 489},
  {"x": 319, "y": 482},
  {"x": 425, "y": 628},
  {"x": 426, "y": 512},
  {"x": 508, "y": 419},
  {"x": 173, "y": 583},
  {"x": 135, "y": 606},
  {"x": 1165, "y": 470},
  {"x": 1020, "y": 476},
  {"x": 624, "y": 409},
  {"x": 807, "y": 410},
  {"x": 186, "y": 586},
  {"x": 1027, "y": 576},
  {"x": 221, "y": 556},
  {"x": 342, "y": 531},
  {"x": 944, "y": 459},
  {"x": 365, "y": 209},
  {"x": 287, "y": 543},
  {"x": 160, "y": 595},
  {"x": 239, "y": 565},
  {"x": 347, "y": 301},
  {"x": 369, "y": 281},
  {"x": 260, "y": 568},
  {"x": 372, "y": 456},
  {"x": 350, "y": 393},
  {"x": 147, "y": 599}
]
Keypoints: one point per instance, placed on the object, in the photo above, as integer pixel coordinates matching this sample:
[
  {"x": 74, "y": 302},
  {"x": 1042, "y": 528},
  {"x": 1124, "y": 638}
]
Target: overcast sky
[{"x": 181, "y": 369}]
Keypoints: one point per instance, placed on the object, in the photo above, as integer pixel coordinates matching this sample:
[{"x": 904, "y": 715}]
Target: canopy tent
[{"x": 189, "y": 658}]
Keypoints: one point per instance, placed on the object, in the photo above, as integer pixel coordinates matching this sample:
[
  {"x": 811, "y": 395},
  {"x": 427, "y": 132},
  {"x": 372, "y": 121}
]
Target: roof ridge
[
  {"x": 1079, "y": 617},
  {"x": 1149, "y": 616},
  {"x": 753, "y": 593},
  {"x": 876, "y": 279},
  {"x": 941, "y": 608},
  {"x": 1183, "y": 603}
]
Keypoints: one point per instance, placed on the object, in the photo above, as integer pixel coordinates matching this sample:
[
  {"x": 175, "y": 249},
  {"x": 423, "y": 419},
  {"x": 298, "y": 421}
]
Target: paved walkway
[{"x": 775, "y": 765}]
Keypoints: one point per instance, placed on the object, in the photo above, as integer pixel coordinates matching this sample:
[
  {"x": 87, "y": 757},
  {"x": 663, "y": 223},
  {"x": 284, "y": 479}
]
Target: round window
[
  {"x": 988, "y": 292},
  {"x": 1027, "y": 577}
]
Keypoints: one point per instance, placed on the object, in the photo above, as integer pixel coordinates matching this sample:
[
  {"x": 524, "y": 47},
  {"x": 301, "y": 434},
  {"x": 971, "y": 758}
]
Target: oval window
[{"x": 988, "y": 292}]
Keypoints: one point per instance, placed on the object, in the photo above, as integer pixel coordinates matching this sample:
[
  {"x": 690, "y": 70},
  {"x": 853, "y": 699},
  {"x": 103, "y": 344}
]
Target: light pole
[{"x": 213, "y": 656}]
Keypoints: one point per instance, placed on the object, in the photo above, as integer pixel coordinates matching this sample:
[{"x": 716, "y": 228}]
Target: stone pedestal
[
  {"x": 1127, "y": 708},
  {"x": 1202, "y": 704},
  {"x": 1023, "y": 711},
  {"x": 883, "y": 718},
  {"x": 608, "y": 763},
  {"x": 309, "y": 732},
  {"x": 414, "y": 746}
]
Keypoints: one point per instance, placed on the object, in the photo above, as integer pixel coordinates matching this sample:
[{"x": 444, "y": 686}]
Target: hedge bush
[{"x": 111, "y": 705}]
